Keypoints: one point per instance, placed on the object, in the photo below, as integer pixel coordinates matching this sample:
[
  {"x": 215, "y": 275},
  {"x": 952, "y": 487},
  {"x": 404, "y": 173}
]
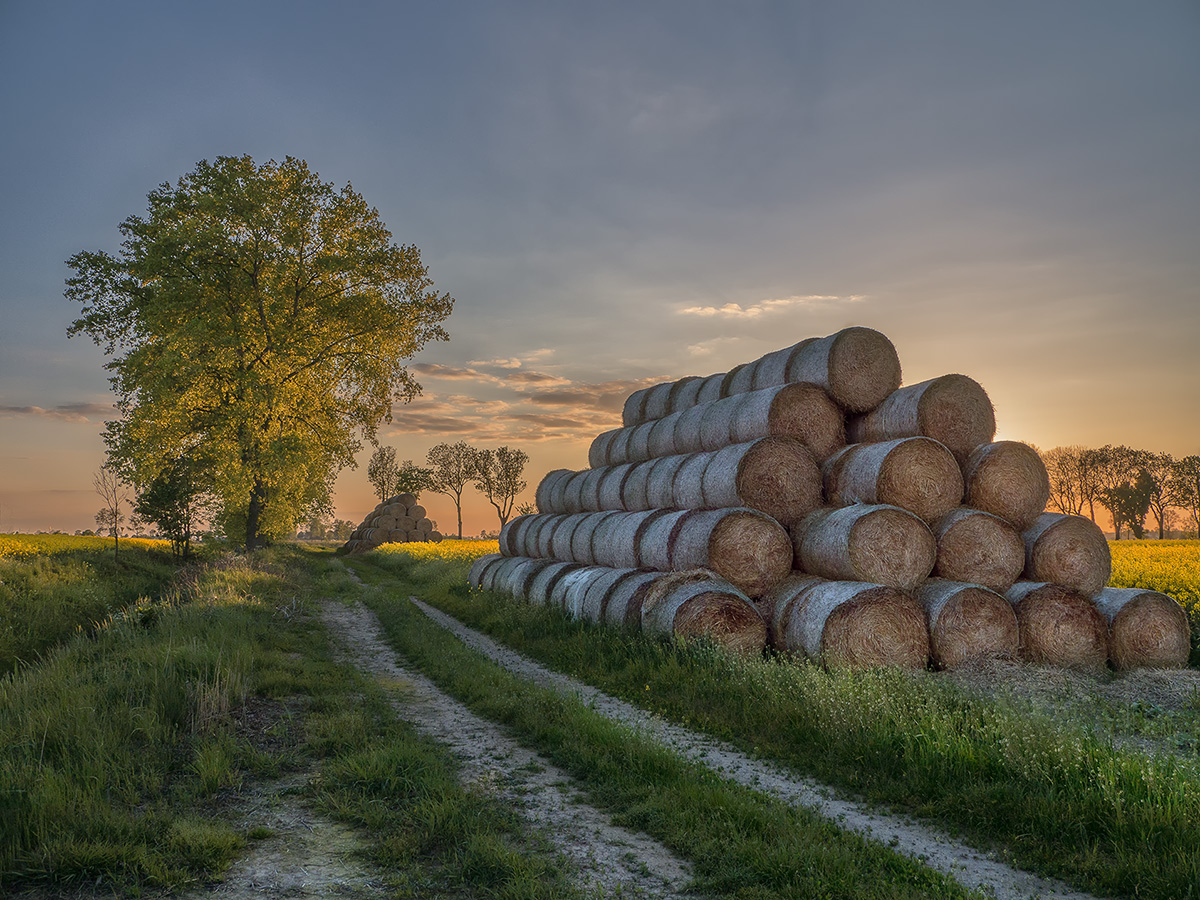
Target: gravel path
[
  {"x": 966, "y": 865},
  {"x": 611, "y": 860}
]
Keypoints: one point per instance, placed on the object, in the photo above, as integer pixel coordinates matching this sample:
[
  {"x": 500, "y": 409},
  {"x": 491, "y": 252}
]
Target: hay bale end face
[
  {"x": 1059, "y": 626},
  {"x": 1067, "y": 550},
  {"x": 848, "y": 624},
  {"x": 975, "y": 547},
  {"x": 1146, "y": 629},
  {"x": 1007, "y": 479},
  {"x": 858, "y": 366},
  {"x": 967, "y": 622},
  {"x": 711, "y": 609},
  {"x": 952, "y": 409},
  {"x": 918, "y": 474},
  {"x": 748, "y": 549}
]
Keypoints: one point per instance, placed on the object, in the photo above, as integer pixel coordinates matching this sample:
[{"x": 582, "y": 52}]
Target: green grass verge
[
  {"x": 740, "y": 842},
  {"x": 124, "y": 754},
  {"x": 1052, "y": 797}
]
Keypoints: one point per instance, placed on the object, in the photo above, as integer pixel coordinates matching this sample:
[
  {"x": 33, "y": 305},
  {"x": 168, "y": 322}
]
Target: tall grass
[{"x": 1055, "y": 797}]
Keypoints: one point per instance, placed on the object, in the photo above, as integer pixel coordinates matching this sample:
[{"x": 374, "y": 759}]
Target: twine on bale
[
  {"x": 1146, "y": 629},
  {"x": 848, "y": 624},
  {"x": 917, "y": 474},
  {"x": 1059, "y": 626},
  {"x": 877, "y": 544},
  {"x": 975, "y": 547},
  {"x": 967, "y": 622},
  {"x": 542, "y": 585},
  {"x": 1009, "y": 480},
  {"x": 952, "y": 409},
  {"x": 1067, "y": 550},
  {"x": 624, "y": 607}
]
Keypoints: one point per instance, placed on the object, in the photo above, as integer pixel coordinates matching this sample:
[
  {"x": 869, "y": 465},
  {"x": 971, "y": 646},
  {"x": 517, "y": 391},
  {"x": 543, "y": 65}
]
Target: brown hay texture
[
  {"x": 709, "y": 609},
  {"x": 1059, "y": 626},
  {"x": 748, "y": 549},
  {"x": 1067, "y": 550},
  {"x": 883, "y": 545},
  {"x": 1009, "y": 480},
  {"x": 542, "y": 585},
  {"x": 849, "y": 624},
  {"x": 1146, "y": 629},
  {"x": 976, "y": 547},
  {"x": 918, "y": 474},
  {"x": 952, "y": 409},
  {"x": 967, "y": 622}
]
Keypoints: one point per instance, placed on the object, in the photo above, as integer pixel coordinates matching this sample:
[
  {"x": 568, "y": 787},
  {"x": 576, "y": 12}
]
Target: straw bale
[
  {"x": 561, "y": 538},
  {"x": 385, "y": 523},
  {"x": 406, "y": 523},
  {"x": 683, "y": 393},
  {"x": 596, "y": 597},
  {"x": 775, "y": 606},
  {"x": 712, "y": 610},
  {"x": 397, "y": 535},
  {"x": 952, "y": 409},
  {"x": 635, "y": 492},
  {"x": 710, "y": 388},
  {"x": 1146, "y": 629},
  {"x": 581, "y": 539},
  {"x": 617, "y": 546},
  {"x": 475, "y": 575},
  {"x": 624, "y": 607},
  {"x": 742, "y": 379},
  {"x": 772, "y": 369},
  {"x": 416, "y": 511},
  {"x": 976, "y": 547},
  {"x": 776, "y": 475},
  {"x": 656, "y": 539},
  {"x": 634, "y": 409},
  {"x": 660, "y": 440},
  {"x": 1059, "y": 626},
  {"x": 1067, "y": 550},
  {"x": 424, "y": 526},
  {"x": 798, "y": 410},
  {"x": 715, "y": 426},
  {"x": 687, "y": 488},
  {"x": 883, "y": 545},
  {"x": 855, "y": 625},
  {"x": 660, "y": 483},
  {"x": 589, "y": 490},
  {"x": 545, "y": 496},
  {"x": 598, "y": 450},
  {"x": 747, "y": 548},
  {"x": 492, "y": 577},
  {"x": 567, "y": 592},
  {"x": 857, "y": 366},
  {"x": 405, "y": 499},
  {"x": 539, "y": 536},
  {"x": 610, "y": 494},
  {"x": 436, "y": 536},
  {"x": 664, "y": 585},
  {"x": 918, "y": 474},
  {"x": 637, "y": 447},
  {"x": 728, "y": 381},
  {"x": 542, "y": 585},
  {"x": 1007, "y": 479},
  {"x": 516, "y": 580},
  {"x": 658, "y": 400},
  {"x": 573, "y": 491},
  {"x": 967, "y": 622}
]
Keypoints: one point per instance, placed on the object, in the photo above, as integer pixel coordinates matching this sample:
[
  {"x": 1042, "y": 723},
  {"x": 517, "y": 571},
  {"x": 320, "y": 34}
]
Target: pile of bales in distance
[
  {"x": 807, "y": 502},
  {"x": 397, "y": 520}
]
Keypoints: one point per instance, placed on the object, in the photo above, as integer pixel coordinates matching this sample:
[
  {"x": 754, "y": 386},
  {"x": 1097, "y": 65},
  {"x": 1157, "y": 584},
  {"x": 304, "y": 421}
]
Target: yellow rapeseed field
[
  {"x": 26, "y": 546},
  {"x": 1172, "y": 567},
  {"x": 459, "y": 551}
]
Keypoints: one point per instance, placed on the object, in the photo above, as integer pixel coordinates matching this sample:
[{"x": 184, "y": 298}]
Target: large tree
[
  {"x": 259, "y": 318},
  {"x": 451, "y": 468},
  {"x": 498, "y": 477},
  {"x": 1159, "y": 468},
  {"x": 1185, "y": 488}
]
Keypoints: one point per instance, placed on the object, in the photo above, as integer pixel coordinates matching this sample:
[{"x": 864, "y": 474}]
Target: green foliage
[
  {"x": 258, "y": 320},
  {"x": 172, "y": 501},
  {"x": 390, "y": 479},
  {"x": 452, "y": 467},
  {"x": 498, "y": 477}
]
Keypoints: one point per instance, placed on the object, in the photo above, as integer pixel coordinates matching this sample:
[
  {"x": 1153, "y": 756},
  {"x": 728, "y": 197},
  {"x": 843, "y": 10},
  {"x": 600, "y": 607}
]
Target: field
[
  {"x": 134, "y": 746},
  {"x": 1172, "y": 567}
]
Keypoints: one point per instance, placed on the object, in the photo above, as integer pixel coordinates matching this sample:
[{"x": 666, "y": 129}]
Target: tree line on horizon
[{"x": 1129, "y": 484}]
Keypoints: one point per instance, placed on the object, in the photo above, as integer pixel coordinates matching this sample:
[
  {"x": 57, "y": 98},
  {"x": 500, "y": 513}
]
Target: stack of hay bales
[
  {"x": 397, "y": 520},
  {"x": 732, "y": 506}
]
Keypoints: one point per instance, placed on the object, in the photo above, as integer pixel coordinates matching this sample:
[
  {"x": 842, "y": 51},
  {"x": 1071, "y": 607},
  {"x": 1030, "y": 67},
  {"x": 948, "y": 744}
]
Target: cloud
[
  {"x": 79, "y": 413},
  {"x": 514, "y": 362},
  {"x": 450, "y": 373},
  {"x": 765, "y": 307},
  {"x": 608, "y": 396},
  {"x": 535, "y": 378}
]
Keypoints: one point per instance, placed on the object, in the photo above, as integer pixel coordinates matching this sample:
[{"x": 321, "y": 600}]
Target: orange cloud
[
  {"x": 79, "y": 413},
  {"x": 737, "y": 311}
]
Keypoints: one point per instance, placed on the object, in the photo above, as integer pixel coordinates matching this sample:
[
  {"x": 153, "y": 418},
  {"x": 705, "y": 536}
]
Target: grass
[
  {"x": 1054, "y": 797},
  {"x": 124, "y": 753},
  {"x": 52, "y": 586}
]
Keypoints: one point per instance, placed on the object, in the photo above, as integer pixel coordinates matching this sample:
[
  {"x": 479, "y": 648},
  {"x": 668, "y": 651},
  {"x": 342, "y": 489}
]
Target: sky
[{"x": 626, "y": 192}]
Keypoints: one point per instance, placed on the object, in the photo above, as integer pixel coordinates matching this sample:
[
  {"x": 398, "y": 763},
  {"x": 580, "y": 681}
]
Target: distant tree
[
  {"x": 115, "y": 495},
  {"x": 342, "y": 529},
  {"x": 1064, "y": 466},
  {"x": 382, "y": 472},
  {"x": 263, "y": 315},
  {"x": 1185, "y": 488},
  {"x": 498, "y": 477},
  {"x": 451, "y": 468},
  {"x": 1129, "y": 503},
  {"x": 173, "y": 501},
  {"x": 526, "y": 509},
  {"x": 1117, "y": 473},
  {"x": 412, "y": 479},
  {"x": 1159, "y": 467}
]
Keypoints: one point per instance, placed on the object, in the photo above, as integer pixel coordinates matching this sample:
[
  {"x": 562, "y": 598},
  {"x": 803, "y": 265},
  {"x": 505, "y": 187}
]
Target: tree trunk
[{"x": 258, "y": 499}]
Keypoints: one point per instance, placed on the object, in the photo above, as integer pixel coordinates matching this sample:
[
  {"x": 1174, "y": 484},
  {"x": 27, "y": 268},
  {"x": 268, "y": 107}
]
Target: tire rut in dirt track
[
  {"x": 968, "y": 866},
  {"x": 613, "y": 860}
]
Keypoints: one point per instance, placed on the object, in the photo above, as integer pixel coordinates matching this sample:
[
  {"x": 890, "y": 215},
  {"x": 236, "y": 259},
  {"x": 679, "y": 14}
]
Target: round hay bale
[
  {"x": 967, "y": 622},
  {"x": 633, "y": 412},
  {"x": 1067, "y": 550},
  {"x": 595, "y": 599},
  {"x": 883, "y": 545},
  {"x": 686, "y": 394},
  {"x": 660, "y": 440},
  {"x": 660, "y": 483},
  {"x": 848, "y": 624},
  {"x": 710, "y": 388},
  {"x": 667, "y": 583},
  {"x": 397, "y": 535},
  {"x": 776, "y": 475},
  {"x": 616, "y": 541},
  {"x": 658, "y": 401},
  {"x": 475, "y": 575},
  {"x": 582, "y": 548},
  {"x": 687, "y": 488},
  {"x": 952, "y": 409},
  {"x": 775, "y": 606},
  {"x": 405, "y": 499},
  {"x": 513, "y": 577},
  {"x": 771, "y": 370},
  {"x": 489, "y": 578},
  {"x": 637, "y": 448},
  {"x": 1146, "y": 629},
  {"x": 747, "y": 548},
  {"x": 610, "y": 494},
  {"x": 436, "y": 537},
  {"x": 424, "y": 526},
  {"x": 711, "y": 609},
  {"x": 542, "y": 584},
  {"x": 656, "y": 538},
  {"x": 572, "y": 492},
  {"x": 976, "y": 547},
  {"x": 385, "y": 523},
  {"x": 917, "y": 474},
  {"x": 561, "y": 537},
  {"x": 857, "y": 366},
  {"x": 635, "y": 491},
  {"x": 538, "y": 536},
  {"x": 576, "y": 587},
  {"x": 1009, "y": 480},
  {"x": 1059, "y": 626},
  {"x": 568, "y": 589},
  {"x": 416, "y": 511},
  {"x": 728, "y": 380},
  {"x": 800, "y": 410},
  {"x": 598, "y": 451},
  {"x": 742, "y": 379},
  {"x": 624, "y": 607},
  {"x": 715, "y": 425},
  {"x": 545, "y": 496}
]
